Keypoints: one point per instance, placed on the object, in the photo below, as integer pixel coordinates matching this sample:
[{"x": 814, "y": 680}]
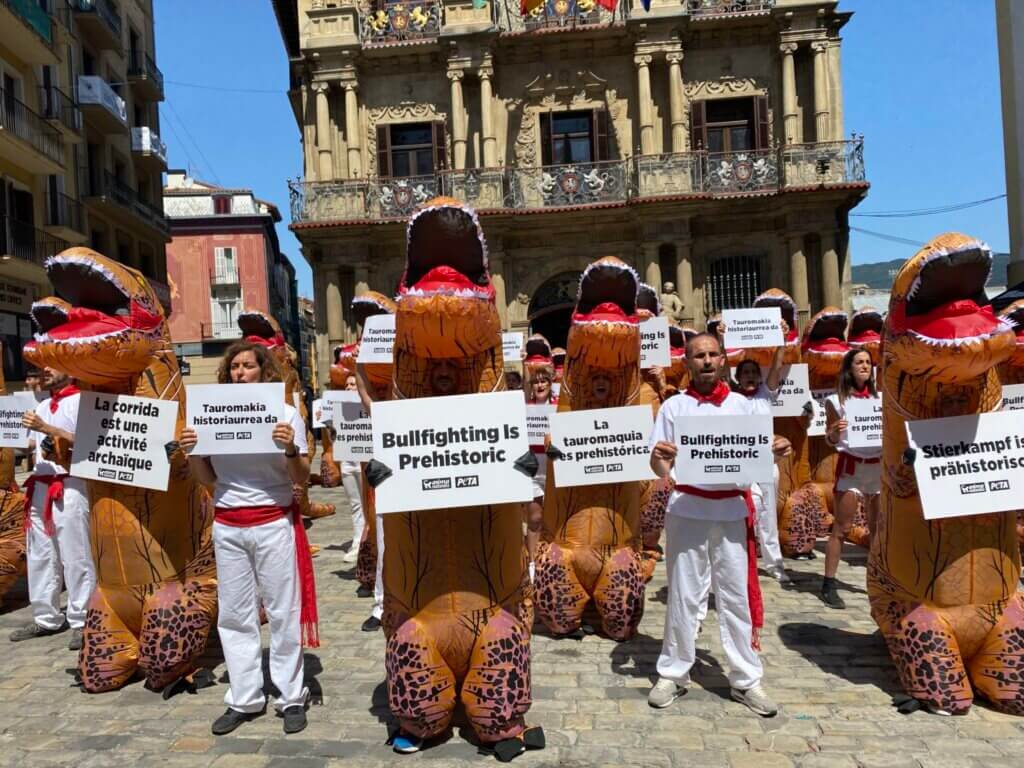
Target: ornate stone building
[{"x": 700, "y": 140}]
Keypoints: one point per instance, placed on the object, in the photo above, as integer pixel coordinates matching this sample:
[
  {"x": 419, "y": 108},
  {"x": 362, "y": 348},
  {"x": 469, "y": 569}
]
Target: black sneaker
[
  {"x": 33, "y": 630},
  {"x": 372, "y": 624},
  {"x": 830, "y": 596},
  {"x": 364, "y": 591},
  {"x": 75, "y": 643},
  {"x": 231, "y": 719},
  {"x": 294, "y": 718}
]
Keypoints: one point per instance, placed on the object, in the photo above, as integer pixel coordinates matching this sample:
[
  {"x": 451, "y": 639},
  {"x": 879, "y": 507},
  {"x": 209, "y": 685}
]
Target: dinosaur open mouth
[
  {"x": 256, "y": 324},
  {"x": 788, "y": 309},
  {"x": 538, "y": 350},
  {"x": 866, "y": 326},
  {"x": 827, "y": 334},
  {"x": 647, "y": 299},
  {"x": 1016, "y": 320},
  {"x": 676, "y": 341},
  {"x": 447, "y": 255},
  {"x": 608, "y": 294},
  {"x": 47, "y": 315},
  {"x": 366, "y": 306}
]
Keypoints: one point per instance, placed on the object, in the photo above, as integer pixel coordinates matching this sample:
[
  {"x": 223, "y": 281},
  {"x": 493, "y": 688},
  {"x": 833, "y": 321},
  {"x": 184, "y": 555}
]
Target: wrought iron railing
[
  {"x": 145, "y": 139},
  {"x": 570, "y": 184},
  {"x": 109, "y": 186},
  {"x": 103, "y": 11},
  {"x": 224, "y": 277},
  {"x": 829, "y": 162},
  {"x": 755, "y": 170},
  {"x": 93, "y": 89},
  {"x": 30, "y": 12},
  {"x": 220, "y": 330},
  {"x": 582, "y": 13},
  {"x": 30, "y": 127},
  {"x": 64, "y": 211},
  {"x": 390, "y": 198},
  {"x": 678, "y": 173},
  {"x": 393, "y": 21},
  {"x": 480, "y": 187},
  {"x": 54, "y": 104},
  {"x": 23, "y": 241},
  {"x": 141, "y": 64},
  {"x": 703, "y": 8}
]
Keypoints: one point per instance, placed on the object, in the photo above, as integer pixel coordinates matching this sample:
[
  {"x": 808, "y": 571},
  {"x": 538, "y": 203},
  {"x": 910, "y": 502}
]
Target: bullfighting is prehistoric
[{"x": 12, "y": 528}]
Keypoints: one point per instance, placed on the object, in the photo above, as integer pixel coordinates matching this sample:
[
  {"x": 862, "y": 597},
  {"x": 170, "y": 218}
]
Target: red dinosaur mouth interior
[
  {"x": 827, "y": 335},
  {"x": 608, "y": 293},
  {"x": 788, "y": 310}
]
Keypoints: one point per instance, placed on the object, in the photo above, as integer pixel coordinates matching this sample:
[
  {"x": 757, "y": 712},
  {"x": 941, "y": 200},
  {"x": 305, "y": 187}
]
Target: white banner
[
  {"x": 318, "y": 414},
  {"x": 512, "y": 346},
  {"x": 794, "y": 391},
  {"x": 654, "y": 345},
  {"x": 537, "y": 426},
  {"x": 863, "y": 421},
  {"x": 377, "y": 340},
  {"x": 818, "y": 422},
  {"x": 752, "y": 328},
  {"x": 969, "y": 465},
  {"x": 453, "y": 451},
  {"x": 556, "y": 389},
  {"x": 605, "y": 445},
  {"x": 353, "y": 435},
  {"x": 12, "y": 410},
  {"x": 1013, "y": 397},
  {"x": 724, "y": 450},
  {"x": 234, "y": 418},
  {"x": 120, "y": 439}
]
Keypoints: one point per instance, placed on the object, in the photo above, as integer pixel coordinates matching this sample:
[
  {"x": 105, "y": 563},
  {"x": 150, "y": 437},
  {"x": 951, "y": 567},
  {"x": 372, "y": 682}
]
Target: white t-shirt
[
  {"x": 685, "y": 504},
  {"x": 843, "y": 445},
  {"x": 66, "y": 418},
  {"x": 761, "y": 400},
  {"x": 258, "y": 480}
]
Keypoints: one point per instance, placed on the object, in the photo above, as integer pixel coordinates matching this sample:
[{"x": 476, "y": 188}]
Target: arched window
[
  {"x": 733, "y": 283},
  {"x": 666, "y": 264}
]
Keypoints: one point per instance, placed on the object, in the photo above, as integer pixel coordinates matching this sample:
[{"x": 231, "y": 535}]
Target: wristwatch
[{"x": 291, "y": 455}]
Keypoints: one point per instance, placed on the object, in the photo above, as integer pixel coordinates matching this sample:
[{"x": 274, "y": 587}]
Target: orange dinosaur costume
[
  {"x": 944, "y": 592},
  {"x": 590, "y": 551},
  {"x": 456, "y": 613},
  {"x": 342, "y": 366},
  {"x": 866, "y": 332},
  {"x": 156, "y": 593},
  {"x": 1012, "y": 371},
  {"x": 12, "y": 518}
]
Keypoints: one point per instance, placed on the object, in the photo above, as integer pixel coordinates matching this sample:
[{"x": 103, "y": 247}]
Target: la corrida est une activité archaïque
[
  {"x": 441, "y": 439},
  {"x": 117, "y": 442}
]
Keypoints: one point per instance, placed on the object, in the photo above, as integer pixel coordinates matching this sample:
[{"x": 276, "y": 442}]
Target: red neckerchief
[
  {"x": 277, "y": 340},
  {"x": 717, "y": 396},
  {"x": 60, "y": 394},
  {"x": 865, "y": 393}
]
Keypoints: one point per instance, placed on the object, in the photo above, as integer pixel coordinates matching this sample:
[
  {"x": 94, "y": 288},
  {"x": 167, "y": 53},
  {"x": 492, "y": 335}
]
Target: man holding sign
[{"x": 708, "y": 542}]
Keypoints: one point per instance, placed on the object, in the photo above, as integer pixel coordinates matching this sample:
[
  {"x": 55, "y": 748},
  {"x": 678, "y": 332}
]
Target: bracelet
[{"x": 291, "y": 455}]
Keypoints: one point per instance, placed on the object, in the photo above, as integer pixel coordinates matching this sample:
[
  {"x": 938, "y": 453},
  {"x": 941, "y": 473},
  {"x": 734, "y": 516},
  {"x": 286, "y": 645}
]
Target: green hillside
[{"x": 879, "y": 275}]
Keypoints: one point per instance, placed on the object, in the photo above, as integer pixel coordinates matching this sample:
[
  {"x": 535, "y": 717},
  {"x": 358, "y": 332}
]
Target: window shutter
[
  {"x": 599, "y": 137},
  {"x": 698, "y": 133},
  {"x": 761, "y": 122},
  {"x": 545, "y": 139},
  {"x": 384, "y": 151},
  {"x": 440, "y": 147}
]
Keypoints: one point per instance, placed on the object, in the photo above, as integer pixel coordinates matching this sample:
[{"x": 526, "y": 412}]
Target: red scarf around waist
[
  {"x": 754, "y": 598},
  {"x": 846, "y": 464},
  {"x": 54, "y": 492},
  {"x": 250, "y": 517}
]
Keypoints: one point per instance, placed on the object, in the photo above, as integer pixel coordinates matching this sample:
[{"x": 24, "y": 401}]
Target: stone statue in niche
[{"x": 671, "y": 305}]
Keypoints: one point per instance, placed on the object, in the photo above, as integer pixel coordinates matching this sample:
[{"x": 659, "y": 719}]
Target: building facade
[
  {"x": 80, "y": 152},
  {"x": 307, "y": 336},
  {"x": 1010, "y": 28},
  {"x": 701, "y": 141},
  {"x": 223, "y": 257}
]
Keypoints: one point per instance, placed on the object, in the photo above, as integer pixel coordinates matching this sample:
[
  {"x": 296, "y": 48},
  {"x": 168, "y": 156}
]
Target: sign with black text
[
  {"x": 724, "y": 450},
  {"x": 353, "y": 435},
  {"x": 12, "y": 410},
  {"x": 752, "y": 328},
  {"x": 654, "y": 344},
  {"x": 794, "y": 391},
  {"x": 453, "y": 451},
  {"x": 1013, "y": 397},
  {"x": 819, "y": 420},
  {"x": 537, "y": 423},
  {"x": 375, "y": 345},
  {"x": 318, "y": 414},
  {"x": 863, "y": 422},
  {"x": 512, "y": 346},
  {"x": 604, "y": 445},
  {"x": 969, "y": 465},
  {"x": 120, "y": 439},
  {"x": 234, "y": 418}
]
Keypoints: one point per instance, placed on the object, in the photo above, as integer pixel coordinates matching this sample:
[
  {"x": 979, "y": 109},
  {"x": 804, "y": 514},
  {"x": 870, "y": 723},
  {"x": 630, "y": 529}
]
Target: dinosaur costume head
[
  {"x": 647, "y": 302},
  {"x": 823, "y": 346},
  {"x": 558, "y": 359},
  {"x": 676, "y": 375},
  {"x": 364, "y": 306},
  {"x": 732, "y": 356},
  {"x": 1012, "y": 371},
  {"x": 773, "y": 297},
  {"x": 538, "y": 356},
  {"x": 866, "y": 332}
]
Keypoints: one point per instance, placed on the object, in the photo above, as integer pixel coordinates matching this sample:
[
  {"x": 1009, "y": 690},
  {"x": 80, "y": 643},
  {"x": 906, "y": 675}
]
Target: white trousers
[
  {"x": 260, "y": 557},
  {"x": 352, "y": 485},
  {"x": 767, "y": 522},
  {"x": 378, "y": 582},
  {"x": 697, "y": 553},
  {"x": 64, "y": 558}
]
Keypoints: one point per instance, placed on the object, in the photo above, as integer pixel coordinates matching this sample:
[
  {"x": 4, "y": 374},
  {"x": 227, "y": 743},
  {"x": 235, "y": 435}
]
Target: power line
[
  {"x": 224, "y": 88},
  {"x": 913, "y": 212},
  {"x": 890, "y": 238},
  {"x": 195, "y": 144},
  {"x": 181, "y": 143}
]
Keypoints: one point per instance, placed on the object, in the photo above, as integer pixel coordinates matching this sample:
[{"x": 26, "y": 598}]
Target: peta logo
[
  {"x": 999, "y": 485},
  {"x": 437, "y": 484},
  {"x": 467, "y": 481}
]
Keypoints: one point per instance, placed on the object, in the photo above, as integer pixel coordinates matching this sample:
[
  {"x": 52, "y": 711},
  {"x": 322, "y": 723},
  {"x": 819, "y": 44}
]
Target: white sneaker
[
  {"x": 351, "y": 556},
  {"x": 664, "y": 693},
  {"x": 781, "y": 576},
  {"x": 756, "y": 700}
]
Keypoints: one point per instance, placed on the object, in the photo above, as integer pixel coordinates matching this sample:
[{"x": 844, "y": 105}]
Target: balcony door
[
  {"x": 225, "y": 265},
  {"x": 733, "y": 283},
  {"x": 571, "y": 138},
  {"x": 730, "y": 125}
]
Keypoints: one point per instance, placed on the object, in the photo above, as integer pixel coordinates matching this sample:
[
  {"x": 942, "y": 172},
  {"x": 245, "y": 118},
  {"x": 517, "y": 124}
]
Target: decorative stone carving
[
  {"x": 671, "y": 305},
  {"x": 723, "y": 87}
]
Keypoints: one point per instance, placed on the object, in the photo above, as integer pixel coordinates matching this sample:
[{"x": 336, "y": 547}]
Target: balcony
[
  {"x": 148, "y": 149},
  {"x": 558, "y": 186},
  {"x": 27, "y": 140},
  {"x": 20, "y": 240},
  {"x": 101, "y": 105},
  {"x": 20, "y": 16},
  {"x": 401, "y": 22},
  {"x": 145, "y": 76},
  {"x": 65, "y": 217},
  {"x": 117, "y": 199},
  {"x": 709, "y": 9},
  {"x": 220, "y": 330},
  {"x": 62, "y": 111},
  {"x": 554, "y": 16},
  {"x": 98, "y": 23},
  {"x": 224, "y": 277}
]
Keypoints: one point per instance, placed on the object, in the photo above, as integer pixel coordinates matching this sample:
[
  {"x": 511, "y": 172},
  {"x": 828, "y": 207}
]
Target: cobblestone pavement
[{"x": 828, "y": 669}]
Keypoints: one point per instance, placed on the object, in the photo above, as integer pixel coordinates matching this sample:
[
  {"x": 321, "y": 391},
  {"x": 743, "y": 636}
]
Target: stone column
[
  {"x": 832, "y": 291},
  {"x": 486, "y": 125},
  {"x": 335, "y": 313},
  {"x": 650, "y": 271},
  {"x": 458, "y": 119},
  {"x": 309, "y": 157},
  {"x": 792, "y": 133},
  {"x": 684, "y": 277},
  {"x": 645, "y": 107},
  {"x": 355, "y": 164},
  {"x": 676, "y": 100},
  {"x": 361, "y": 275},
  {"x": 836, "y": 83},
  {"x": 323, "y": 132},
  {"x": 496, "y": 264},
  {"x": 798, "y": 277},
  {"x": 821, "y": 111}
]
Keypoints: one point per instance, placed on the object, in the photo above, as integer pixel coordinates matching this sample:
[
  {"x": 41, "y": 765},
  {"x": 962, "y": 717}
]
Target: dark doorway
[
  {"x": 553, "y": 325},
  {"x": 551, "y": 307}
]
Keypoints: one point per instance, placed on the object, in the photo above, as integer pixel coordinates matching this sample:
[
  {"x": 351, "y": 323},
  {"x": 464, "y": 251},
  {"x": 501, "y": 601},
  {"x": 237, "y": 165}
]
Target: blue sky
[{"x": 920, "y": 80}]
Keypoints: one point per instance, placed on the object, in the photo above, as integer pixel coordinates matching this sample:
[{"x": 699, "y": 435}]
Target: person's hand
[
  {"x": 189, "y": 439},
  {"x": 32, "y": 420},
  {"x": 781, "y": 447},
  {"x": 784, "y": 326},
  {"x": 284, "y": 436},
  {"x": 720, "y": 330},
  {"x": 755, "y": 639},
  {"x": 836, "y": 428},
  {"x": 665, "y": 450}
]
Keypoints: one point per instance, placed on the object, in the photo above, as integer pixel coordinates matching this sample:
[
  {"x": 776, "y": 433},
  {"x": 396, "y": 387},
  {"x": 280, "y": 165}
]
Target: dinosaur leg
[
  {"x": 366, "y": 562},
  {"x": 558, "y": 595},
  {"x": 619, "y": 595},
  {"x": 421, "y": 686},
  {"x": 110, "y": 646},
  {"x": 12, "y": 539},
  {"x": 997, "y": 669},
  {"x": 496, "y": 689},
  {"x": 926, "y": 654},
  {"x": 176, "y": 622},
  {"x": 652, "y": 522},
  {"x": 799, "y": 521}
]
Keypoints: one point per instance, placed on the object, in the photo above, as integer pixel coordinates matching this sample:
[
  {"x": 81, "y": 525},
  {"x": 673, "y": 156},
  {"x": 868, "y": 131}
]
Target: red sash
[
  {"x": 846, "y": 464},
  {"x": 54, "y": 492},
  {"x": 250, "y": 517}
]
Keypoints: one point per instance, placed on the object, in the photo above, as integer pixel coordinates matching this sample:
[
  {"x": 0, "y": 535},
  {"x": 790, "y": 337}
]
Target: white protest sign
[
  {"x": 353, "y": 435},
  {"x": 556, "y": 388},
  {"x": 794, "y": 391},
  {"x": 819, "y": 421},
  {"x": 969, "y": 465},
  {"x": 234, "y": 418},
  {"x": 12, "y": 410},
  {"x": 377, "y": 340},
  {"x": 120, "y": 439},
  {"x": 863, "y": 422},
  {"x": 604, "y": 445},
  {"x": 724, "y": 450},
  {"x": 512, "y": 346},
  {"x": 318, "y": 414},
  {"x": 453, "y": 451},
  {"x": 537, "y": 426},
  {"x": 752, "y": 328},
  {"x": 1013, "y": 397},
  {"x": 655, "y": 349}
]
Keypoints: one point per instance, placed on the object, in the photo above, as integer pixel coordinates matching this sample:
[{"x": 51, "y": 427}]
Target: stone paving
[{"x": 827, "y": 669}]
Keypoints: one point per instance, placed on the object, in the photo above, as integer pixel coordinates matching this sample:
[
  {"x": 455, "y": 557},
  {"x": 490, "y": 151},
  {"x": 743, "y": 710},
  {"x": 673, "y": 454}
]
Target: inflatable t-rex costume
[
  {"x": 591, "y": 537},
  {"x": 677, "y": 378},
  {"x": 944, "y": 592},
  {"x": 538, "y": 355},
  {"x": 343, "y": 365},
  {"x": 1012, "y": 371},
  {"x": 156, "y": 592},
  {"x": 454, "y": 579},
  {"x": 12, "y": 517},
  {"x": 866, "y": 333}
]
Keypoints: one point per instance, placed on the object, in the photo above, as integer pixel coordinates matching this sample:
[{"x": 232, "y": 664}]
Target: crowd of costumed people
[{"x": 458, "y": 592}]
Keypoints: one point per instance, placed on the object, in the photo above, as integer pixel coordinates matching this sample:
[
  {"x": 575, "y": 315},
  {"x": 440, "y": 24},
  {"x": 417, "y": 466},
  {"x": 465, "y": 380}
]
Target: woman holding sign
[
  {"x": 541, "y": 376},
  {"x": 858, "y": 471},
  {"x": 262, "y": 554}
]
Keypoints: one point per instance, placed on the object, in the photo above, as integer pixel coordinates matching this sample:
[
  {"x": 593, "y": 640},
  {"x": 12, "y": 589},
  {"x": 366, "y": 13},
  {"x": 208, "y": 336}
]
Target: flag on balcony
[
  {"x": 610, "y": 4},
  {"x": 527, "y": 7}
]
